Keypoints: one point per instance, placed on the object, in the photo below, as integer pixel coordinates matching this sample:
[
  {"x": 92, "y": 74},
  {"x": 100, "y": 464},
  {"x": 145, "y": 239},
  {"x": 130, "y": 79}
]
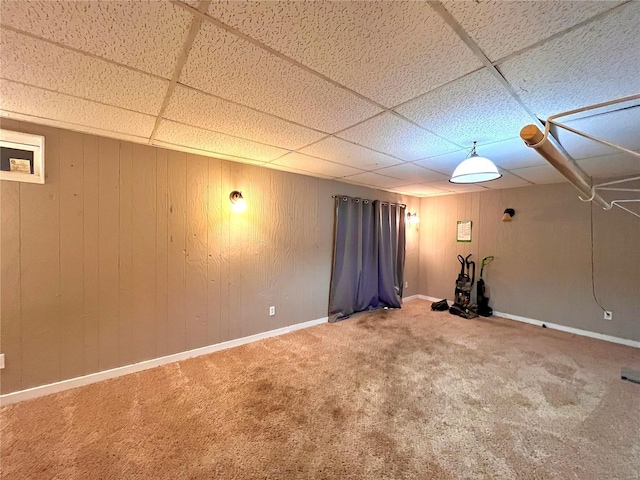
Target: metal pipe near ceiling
[{"x": 537, "y": 140}]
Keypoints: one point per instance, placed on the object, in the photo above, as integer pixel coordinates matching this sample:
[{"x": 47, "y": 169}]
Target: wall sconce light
[
  {"x": 238, "y": 204},
  {"x": 412, "y": 218},
  {"x": 475, "y": 169},
  {"x": 508, "y": 213}
]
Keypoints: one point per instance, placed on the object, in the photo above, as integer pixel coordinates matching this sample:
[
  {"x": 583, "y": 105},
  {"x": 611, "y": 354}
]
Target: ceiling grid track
[
  {"x": 203, "y": 6},
  {"x": 81, "y": 52},
  {"x": 577, "y": 26},
  {"x": 464, "y": 36},
  {"x": 88, "y": 69},
  {"x": 234, "y": 31},
  {"x": 203, "y": 16}
]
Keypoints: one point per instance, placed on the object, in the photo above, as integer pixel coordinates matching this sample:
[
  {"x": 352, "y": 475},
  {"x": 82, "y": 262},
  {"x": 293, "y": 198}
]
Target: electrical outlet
[
  {"x": 406, "y": 284},
  {"x": 272, "y": 311},
  {"x": 608, "y": 315},
  {"x": 2, "y": 360}
]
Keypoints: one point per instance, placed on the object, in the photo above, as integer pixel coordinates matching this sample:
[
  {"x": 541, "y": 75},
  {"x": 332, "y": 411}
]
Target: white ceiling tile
[
  {"x": 284, "y": 168},
  {"x": 446, "y": 163},
  {"x": 412, "y": 173},
  {"x": 388, "y": 51},
  {"x": 391, "y": 134},
  {"x": 36, "y": 102},
  {"x": 500, "y": 28},
  {"x": 341, "y": 151},
  {"x": 19, "y": 117},
  {"x": 247, "y": 74},
  {"x": 506, "y": 181},
  {"x": 212, "y": 113},
  {"x": 179, "y": 134},
  {"x": 457, "y": 187},
  {"x": 420, "y": 190},
  {"x": 192, "y": 3},
  {"x": 206, "y": 153},
  {"x": 148, "y": 35},
  {"x": 473, "y": 108},
  {"x": 315, "y": 165},
  {"x": 592, "y": 64},
  {"x": 511, "y": 154},
  {"x": 540, "y": 174},
  {"x": 621, "y": 127},
  {"x": 375, "y": 180},
  {"x": 617, "y": 165},
  {"x": 42, "y": 64}
]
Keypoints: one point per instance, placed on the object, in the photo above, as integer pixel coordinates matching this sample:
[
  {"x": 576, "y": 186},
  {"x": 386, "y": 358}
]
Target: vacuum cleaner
[
  {"x": 483, "y": 301},
  {"x": 464, "y": 285}
]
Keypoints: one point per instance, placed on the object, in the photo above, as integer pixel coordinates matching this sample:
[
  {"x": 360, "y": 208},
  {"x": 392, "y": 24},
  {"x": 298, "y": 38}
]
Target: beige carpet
[{"x": 389, "y": 394}]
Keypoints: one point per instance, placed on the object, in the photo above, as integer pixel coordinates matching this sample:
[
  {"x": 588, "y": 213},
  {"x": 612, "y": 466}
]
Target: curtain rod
[{"x": 402, "y": 205}]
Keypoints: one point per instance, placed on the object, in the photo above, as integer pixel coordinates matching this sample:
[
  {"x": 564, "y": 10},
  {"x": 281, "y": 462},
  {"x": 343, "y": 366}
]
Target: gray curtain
[{"x": 368, "y": 257}]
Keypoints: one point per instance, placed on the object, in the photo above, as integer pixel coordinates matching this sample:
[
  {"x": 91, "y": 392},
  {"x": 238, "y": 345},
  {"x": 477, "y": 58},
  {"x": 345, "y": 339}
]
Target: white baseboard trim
[
  {"x": 576, "y": 331},
  {"x": 410, "y": 298},
  {"x": 554, "y": 326},
  {"x": 35, "y": 392}
]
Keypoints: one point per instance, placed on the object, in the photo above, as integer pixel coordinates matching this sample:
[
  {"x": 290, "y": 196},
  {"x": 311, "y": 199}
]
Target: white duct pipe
[{"x": 535, "y": 139}]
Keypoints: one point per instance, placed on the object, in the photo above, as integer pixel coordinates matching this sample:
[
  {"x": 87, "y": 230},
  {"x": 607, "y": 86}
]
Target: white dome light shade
[{"x": 475, "y": 169}]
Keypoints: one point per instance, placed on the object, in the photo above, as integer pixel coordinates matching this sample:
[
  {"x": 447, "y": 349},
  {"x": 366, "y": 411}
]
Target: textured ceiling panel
[
  {"x": 500, "y": 28},
  {"x": 457, "y": 187},
  {"x": 592, "y": 64},
  {"x": 33, "y": 101},
  {"x": 42, "y": 64},
  {"x": 618, "y": 164},
  {"x": 283, "y": 168},
  {"x": 506, "y": 181},
  {"x": 212, "y": 113},
  {"x": 315, "y": 165},
  {"x": 412, "y": 173},
  {"x": 341, "y": 151},
  {"x": 375, "y": 180},
  {"x": 540, "y": 174},
  {"x": 388, "y": 51},
  {"x": 147, "y": 35},
  {"x": 179, "y": 134},
  {"x": 420, "y": 190},
  {"x": 391, "y": 134},
  {"x": 231, "y": 67},
  {"x": 444, "y": 163},
  {"x": 253, "y": 100},
  {"x": 193, "y": 3},
  {"x": 474, "y": 108},
  {"x": 512, "y": 153}
]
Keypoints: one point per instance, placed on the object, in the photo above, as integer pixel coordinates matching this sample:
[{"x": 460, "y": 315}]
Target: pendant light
[{"x": 475, "y": 169}]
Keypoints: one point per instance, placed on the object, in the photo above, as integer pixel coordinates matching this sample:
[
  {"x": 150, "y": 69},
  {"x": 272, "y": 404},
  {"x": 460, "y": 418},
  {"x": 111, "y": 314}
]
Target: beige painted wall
[
  {"x": 130, "y": 252},
  {"x": 542, "y": 267}
]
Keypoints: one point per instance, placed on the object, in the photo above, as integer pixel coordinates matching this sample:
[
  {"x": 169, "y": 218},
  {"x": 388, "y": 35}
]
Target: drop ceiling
[{"x": 387, "y": 94}]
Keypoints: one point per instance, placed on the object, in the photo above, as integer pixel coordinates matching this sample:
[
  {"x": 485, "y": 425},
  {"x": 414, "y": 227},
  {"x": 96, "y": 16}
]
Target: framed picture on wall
[
  {"x": 21, "y": 157},
  {"x": 463, "y": 231}
]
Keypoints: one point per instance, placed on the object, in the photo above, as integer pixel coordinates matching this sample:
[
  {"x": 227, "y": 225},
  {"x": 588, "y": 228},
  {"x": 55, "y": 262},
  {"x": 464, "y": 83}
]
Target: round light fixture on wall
[{"x": 238, "y": 204}]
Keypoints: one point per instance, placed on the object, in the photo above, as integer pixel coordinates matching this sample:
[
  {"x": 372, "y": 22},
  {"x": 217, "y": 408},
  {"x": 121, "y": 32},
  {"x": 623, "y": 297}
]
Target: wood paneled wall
[
  {"x": 542, "y": 267},
  {"x": 130, "y": 252}
]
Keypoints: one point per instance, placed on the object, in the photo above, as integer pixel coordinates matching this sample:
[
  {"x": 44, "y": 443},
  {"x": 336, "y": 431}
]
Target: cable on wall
[{"x": 593, "y": 283}]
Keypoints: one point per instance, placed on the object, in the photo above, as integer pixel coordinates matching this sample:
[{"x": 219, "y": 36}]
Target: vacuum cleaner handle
[
  {"x": 473, "y": 264},
  {"x": 485, "y": 261},
  {"x": 461, "y": 260}
]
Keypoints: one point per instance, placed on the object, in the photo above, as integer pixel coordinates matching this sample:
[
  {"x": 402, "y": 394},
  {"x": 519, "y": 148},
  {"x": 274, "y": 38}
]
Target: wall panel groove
[{"x": 130, "y": 252}]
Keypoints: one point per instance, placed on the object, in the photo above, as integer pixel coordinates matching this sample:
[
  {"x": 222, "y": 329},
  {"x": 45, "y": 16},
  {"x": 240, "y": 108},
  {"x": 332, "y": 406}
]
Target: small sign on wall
[
  {"x": 463, "y": 232},
  {"x": 21, "y": 157}
]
